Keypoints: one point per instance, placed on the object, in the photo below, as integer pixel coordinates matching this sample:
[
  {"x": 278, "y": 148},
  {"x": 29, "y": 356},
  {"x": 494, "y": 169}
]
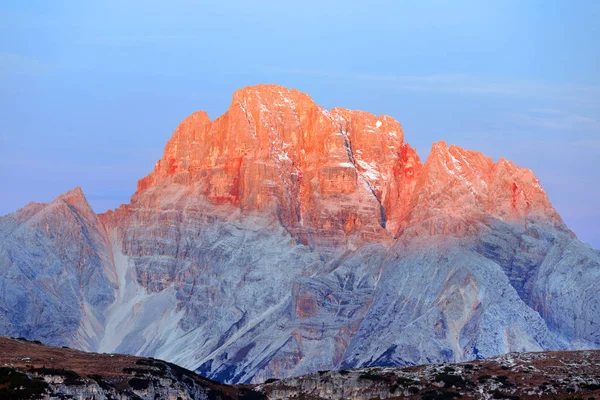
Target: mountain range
[{"x": 282, "y": 238}]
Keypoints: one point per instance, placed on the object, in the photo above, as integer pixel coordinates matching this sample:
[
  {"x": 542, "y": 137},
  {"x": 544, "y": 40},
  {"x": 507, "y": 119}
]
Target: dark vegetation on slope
[
  {"x": 31, "y": 370},
  {"x": 568, "y": 375}
]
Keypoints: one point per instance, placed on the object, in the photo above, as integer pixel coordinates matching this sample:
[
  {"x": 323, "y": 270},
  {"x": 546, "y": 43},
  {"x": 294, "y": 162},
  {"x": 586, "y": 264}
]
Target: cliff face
[
  {"x": 282, "y": 238},
  {"x": 56, "y": 269},
  {"x": 459, "y": 189},
  {"x": 336, "y": 177},
  {"x": 332, "y": 178}
]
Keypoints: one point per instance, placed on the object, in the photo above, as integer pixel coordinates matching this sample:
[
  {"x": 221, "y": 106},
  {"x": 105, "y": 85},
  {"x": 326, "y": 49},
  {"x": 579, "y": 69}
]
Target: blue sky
[{"x": 91, "y": 91}]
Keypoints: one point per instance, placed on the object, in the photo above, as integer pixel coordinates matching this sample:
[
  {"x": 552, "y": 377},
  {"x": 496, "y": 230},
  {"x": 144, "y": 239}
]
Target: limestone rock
[{"x": 282, "y": 239}]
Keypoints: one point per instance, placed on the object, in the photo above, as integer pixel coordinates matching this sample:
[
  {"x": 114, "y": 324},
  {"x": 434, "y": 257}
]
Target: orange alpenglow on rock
[
  {"x": 458, "y": 187},
  {"x": 282, "y": 239},
  {"x": 343, "y": 175}
]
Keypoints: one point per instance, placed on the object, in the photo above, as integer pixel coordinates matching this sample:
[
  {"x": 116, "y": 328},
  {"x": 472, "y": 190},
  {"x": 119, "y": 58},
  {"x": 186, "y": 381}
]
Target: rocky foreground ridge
[
  {"x": 32, "y": 371},
  {"x": 282, "y": 238},
  {"x": 548, "y": 375}
]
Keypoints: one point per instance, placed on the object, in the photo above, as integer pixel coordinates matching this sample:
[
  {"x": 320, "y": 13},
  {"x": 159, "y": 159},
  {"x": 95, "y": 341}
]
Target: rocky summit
[{"x": 282, "y": 239}]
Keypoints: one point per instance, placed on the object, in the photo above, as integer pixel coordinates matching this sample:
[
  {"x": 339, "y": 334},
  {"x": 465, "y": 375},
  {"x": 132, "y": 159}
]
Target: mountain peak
[
  {"x": 265, "y": 98},
  {"x": 76, "y": 200},
  {"x": 74, "y": 196},
  {"x": 196, "y": 118},
  {"x": 299, "y": 239},
  {"x": 261, "y": 89},
  {"x": 347, "y": 173},
  {"x": 458, "y": 188}
]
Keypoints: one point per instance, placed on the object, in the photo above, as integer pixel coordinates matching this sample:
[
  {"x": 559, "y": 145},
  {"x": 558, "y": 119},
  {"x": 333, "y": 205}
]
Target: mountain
[
  {"x": 282, "y": 239},
  {"x": 32, "y": 370},
  {"x": 56, "y": 272}
]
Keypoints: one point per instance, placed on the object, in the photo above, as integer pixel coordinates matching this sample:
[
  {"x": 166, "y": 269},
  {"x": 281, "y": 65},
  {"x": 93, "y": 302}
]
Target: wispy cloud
[
  {"x": 62, "y": 167},
  {"x": 463, "y": 84},
  {"x": 135, "y": 40},
  {"x": 556, "y": 119},
  {"x": 143, "y": 151}
]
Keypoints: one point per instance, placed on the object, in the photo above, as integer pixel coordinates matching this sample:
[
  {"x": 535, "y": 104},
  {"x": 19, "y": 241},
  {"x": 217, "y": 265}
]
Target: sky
[{"x": 91, "y": 91}]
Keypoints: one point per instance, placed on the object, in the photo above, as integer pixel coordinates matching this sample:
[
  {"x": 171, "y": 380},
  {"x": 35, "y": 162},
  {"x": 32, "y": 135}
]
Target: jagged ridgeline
[{"x": 282, "y": 238}]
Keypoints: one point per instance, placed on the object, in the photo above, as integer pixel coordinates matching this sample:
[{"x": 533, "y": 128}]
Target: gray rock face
[
  {"x": 237, "y": 298},
  {"x": 282, "y": 238},
  {"x": 55, "y": 268}
]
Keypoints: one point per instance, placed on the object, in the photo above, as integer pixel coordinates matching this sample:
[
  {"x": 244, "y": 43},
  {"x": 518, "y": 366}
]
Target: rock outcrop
[
  {"x": 547, "y": 375},
  {"x": 282, "y": 238},
  {"x": 332, "y": 178},
  {"x": 32, "y": 370}
]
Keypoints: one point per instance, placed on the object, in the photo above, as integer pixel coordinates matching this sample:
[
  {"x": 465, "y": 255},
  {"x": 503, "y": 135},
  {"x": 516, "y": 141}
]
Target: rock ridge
[
  {"x": 339, "y": 177},
  {"x": 281, "y": 239}
]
